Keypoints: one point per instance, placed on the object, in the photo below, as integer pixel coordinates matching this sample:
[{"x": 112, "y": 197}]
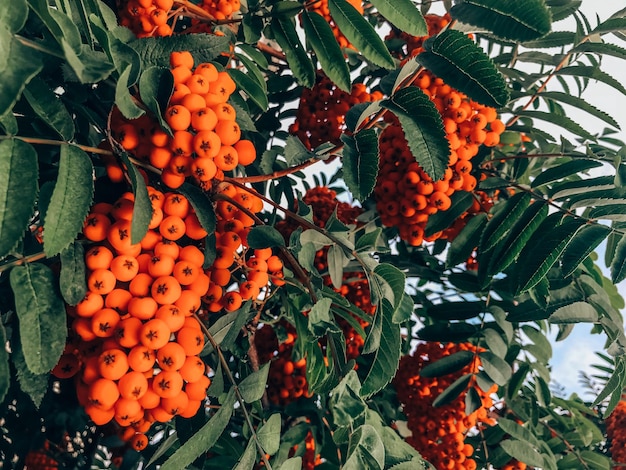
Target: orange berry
[
  {"x": 133, "y": 385},
  {"x": 112, "y": 364},
  {"x": 98, "y": 257},
  {"x": 140, "y": 285},
  {"x": 192, "y": 369},
  {"x": 172, "y": 316},
  {"x": 178, "y": 117},
  {"x": 191, "y": 339},
  {"x": 103, "y": 393},
  {"x": 142, "y": 308},
  {"x": 154, "y": 333},
  {"x": 166, "y": 290},
  {"x": 172, "y": 227},
  {"x": 167, "y": 383},
  {"x": 124, "y": 267},
  {"x": 180, "y": 58},
  {"x": 139, "y": 442},
  {"x": 104, "y": 322},
  {"x": 229, "y": 132},
  {"x": 171, "y": 356},
  {"x": 232, "y": 301},
  {"x": 101, "y": 281},
  {"x": 96, "y": 227},
  {"x": 127, "y": 332},
  {"x": 193, "y": 227},
  {"x": 91, "y": 303},
  {"x": 203, "y": 119},
  {"x": 141, "y": 358},
  {"x": 162, "y": 265},
  {"x": 246, "y": 152}
]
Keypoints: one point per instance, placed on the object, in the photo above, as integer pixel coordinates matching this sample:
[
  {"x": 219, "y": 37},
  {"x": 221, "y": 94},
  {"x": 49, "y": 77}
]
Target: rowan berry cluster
[
  {"x": 40, "y": 459},
  {"x": 159, "y": 18},
  {"x": 321, "y": 7},
  {"x": 321, "y": 111},
  {"x": 616, "y": 434},
  {"x": 405, "y": 195},
  {"x": 411, "y": 45},
  {"x": 438, "y": 433},
  {"x": 206, "y": 139}
]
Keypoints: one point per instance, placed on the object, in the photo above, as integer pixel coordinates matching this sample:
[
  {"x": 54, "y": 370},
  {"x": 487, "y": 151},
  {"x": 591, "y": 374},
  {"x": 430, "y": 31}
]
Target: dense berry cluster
[
  {"x": 616, "y": 434},
  {"x": 404, "y": 45},
  {"x": 41, "y": 459},
  {"x": 321, "y": 112},
  {"x": 405, "y": 195},
  {"x": 206, "y": 138},
  {"x": 159, "y": 18},
  {"x": 439, "y": 432}
]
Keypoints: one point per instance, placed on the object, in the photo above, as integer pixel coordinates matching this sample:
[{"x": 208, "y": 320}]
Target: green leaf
[
  {"x": 321, "y": 38},
  {"x": 456, "y": 310},
  {"x": 5, "y": 371},
  {"x": 404, "y": 15},
  {"x": 337, "y": 260},
  {"x": 347, "y": 405},
  {"x": 366, "y": 450},
  {"x": 461, "y": 63},
  {"x": 564, "y": 170},
  {"x": 41, "y": 315},
  {"x": 18, "y": 190},
  {"x": 293, "y": 463},
  {"x": 49, "y": 107},
  {"x": 517, "y": 379},
  {"x": 360, "y": 33},
  {"x": 250, "y": 87},
  {"x": 423, "y": 129},
  {"x": 504, "y": 220},
  {"x": 269, "y": 434},
  {"x": 446, "y": 331},
  {"x": 226, "y": 328},
  {"x": 558, "y": 120},
  {"x": 517, "y": 238},
  {"x": 454, "y": 390},
  {"x": 440, "y": 220},
  {"x": 320, "y": 318},
  {"x": 494, "y": 342},
  {"x": 20, "y": 65},
  {"x": 581, "y": 104},
  {"x": 447, "y": 364},
  {"x": 73, "y": 273},
  {"x": 577, "y": 312},
  {"x": 253, "y": 386},
  {"x": 610, "y": 25},
  {"x": 495, "y": 367},
  {"x": 155, "y": 51},
  {"x": 155, "y": 88},
  {"x": 584, "y": 243},
  {"x": 295, "y": 151},
  {"x": 13, "y": 15},
  {"x": 265, "y": 236},
  {"x": 542, "y": 252},
  {"x": 404, "y": 311},
  {"x": 590, "y": 72},
  {"x": 518, "y": 431},
  {"x": 142, "y": 210},
  {"x": 387, "y": 355},
  {"x": 70, "y": 201},
  {"x": 515, "y": 21},
  {"x": 89, "y": 66},
  {"x": 464, "y": 243},
  {"x": 33, "y": 385},
  {"x": 248, "y": 458},
  {"x": 204, "y": 439},
  {"x": 392, "y": 281},
  {"x": 522, "y": 451},
  {"x": 285, "y": 34},
  {"x": 360, "y": 162},
  {"x": 124, "y": 101},
  {"x": 601, "y": 48},
  {"x": 202, "y": 206}
]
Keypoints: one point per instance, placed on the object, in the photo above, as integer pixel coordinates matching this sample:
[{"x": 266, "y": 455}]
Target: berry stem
[
  {"x": 39, "y": 141},
  {"x": 23, "y": 260}
]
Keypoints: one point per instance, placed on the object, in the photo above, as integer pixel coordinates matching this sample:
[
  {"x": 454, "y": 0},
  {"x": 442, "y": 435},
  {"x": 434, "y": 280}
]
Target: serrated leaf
[
  {"x": 404, "y": 15},
  {"x": 518, "y": 236},
  {"x": 248, "y": 458},
  {"x": 394, "y": 278},
  {"x": 584, "y": 243},
  {"x": 73, "y": 273},
  {"x": 33, "y": 385},
  {"x": 5, "y": 371},
  {"x": 360, "y": 33},
  {"x": 464, "y": 243},
  {"x": 20, "y": 65},
  {"x": 265, "y": 236},
  {"x": 41, "y": 315},
  {"x": 49, "y": 108},
  {"x": 552, "y": 39},
  {"x": 558, "y": 120},
  {"x": 545, "y": 253},
  {"x": 13, "y": 15},
  {"x": 202, "y": 206},
  {"x": 90, "y": 66},
  {"x": 295, "y": 151},
  {"x": 253, "y": 386},
  {"x": 70, "y": 201},
  {"x": 250, "y": 87},
  {"x": 320, "y": 318},
  {"x": 360, "y": 162},
  {"x": 321, "y": 38},
  {"x": 366, "y": 450},
  {"x": 285, "y": 34},
  {"x": 124, "y": 101},
  {"x": 461, "y": 63},
  {"x": 454, "y": 390},
  {"x": 601, "y": 48},
  {"x": 204, "y": 439},
  {"x": 581, "y": 104},
  {"x": 269, "y": 434},
  {"x": 440, "y": 220},
  {"x": 447, "y": 364},
  {"x": 618, "y": 263},
  {"x": 347, "y": 405},
  {"x": 577, "y": 312},
  {"x": 142, "y": 209},
  {"x": 503, "y": 220},
  {"x": 522, "y": 451},
  {"x": 337, "y": 260},
  {"x": 610, "y": 25},
  {"x": 423, "y": 129},
  {"x": 155, "y": 89},
  {"x": 517, "y": 431},
  {"x": 18, "y": 190},
  {"x": 387, "y": 355},
  {"x": 495, "y": 367},
  {"x": 591, "y": 72},
  {"x": 564, "y": 170},
  {"x": 226, "y": 328},
  {"x": 155, "y": 51},
  {"x": 508, "y": 20}
]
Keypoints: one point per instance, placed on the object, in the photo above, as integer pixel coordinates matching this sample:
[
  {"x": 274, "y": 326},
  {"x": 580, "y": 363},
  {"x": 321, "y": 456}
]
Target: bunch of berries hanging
[
  {"x": 206, "y": 138},
  {"x": 321, "y": 112},
  {"x": 616, "y": 434},
  {"x": 438, "y": 433}
]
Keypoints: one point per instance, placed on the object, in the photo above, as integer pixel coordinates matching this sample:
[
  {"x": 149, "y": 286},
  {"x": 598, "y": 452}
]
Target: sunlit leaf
[
  {"x": 564, "y": 170},
  {"x": 464, "y": 243},
  {"x": 578, "y": 312},
  {"x": 461, "y": 63},
  {"x": 404, "y": 15},
  {"x": 584, "y": 243},
  {"x": 13, "y": 15},
  {"x": 155, "y": 51},
  {"x": 250, "y": 87}
]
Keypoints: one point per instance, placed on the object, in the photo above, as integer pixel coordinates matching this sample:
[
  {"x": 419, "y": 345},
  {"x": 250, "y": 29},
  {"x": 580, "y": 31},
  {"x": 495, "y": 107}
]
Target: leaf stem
[
  {"x": 39, "y": 141},
  {"x": 39, "y": 47},
  {"x": 20, "y": 261}
]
